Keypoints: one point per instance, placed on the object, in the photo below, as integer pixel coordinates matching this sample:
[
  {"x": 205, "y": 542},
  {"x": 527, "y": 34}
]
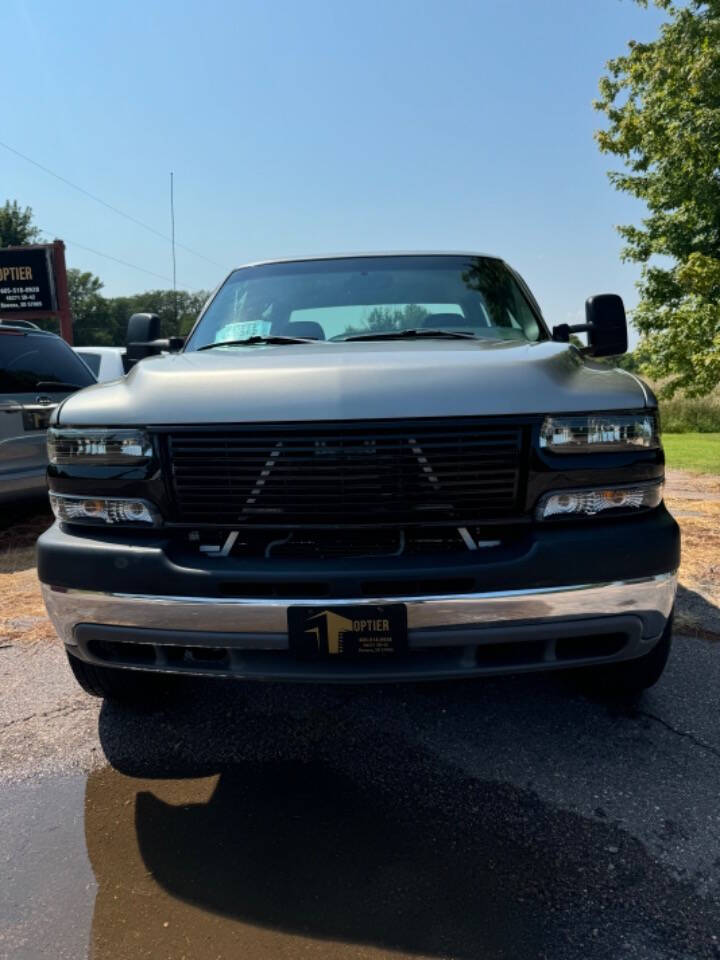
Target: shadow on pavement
[
  {"x": 696, "y": 615},
  {"x": 312, "y": 825}
]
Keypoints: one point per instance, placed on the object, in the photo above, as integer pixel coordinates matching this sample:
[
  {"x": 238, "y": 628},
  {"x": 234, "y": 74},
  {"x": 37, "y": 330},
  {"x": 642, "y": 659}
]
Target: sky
[{"x": 296, "y": 128}]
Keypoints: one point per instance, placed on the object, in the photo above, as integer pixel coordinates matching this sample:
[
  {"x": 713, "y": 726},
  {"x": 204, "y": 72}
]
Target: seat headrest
[{"x": 305, "y": 328}]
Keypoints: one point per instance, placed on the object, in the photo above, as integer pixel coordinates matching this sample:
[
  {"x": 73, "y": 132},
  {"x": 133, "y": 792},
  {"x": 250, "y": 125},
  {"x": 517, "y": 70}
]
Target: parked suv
[
  {"x": 37, "y": 371},
  {"x": 361, "y": 469}
]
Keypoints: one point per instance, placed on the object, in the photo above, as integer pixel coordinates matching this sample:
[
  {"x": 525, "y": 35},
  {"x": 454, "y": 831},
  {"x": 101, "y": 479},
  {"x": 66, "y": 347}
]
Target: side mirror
[
  {"x": 605, "y": 325},
  {"x": 142, "y": 328}
]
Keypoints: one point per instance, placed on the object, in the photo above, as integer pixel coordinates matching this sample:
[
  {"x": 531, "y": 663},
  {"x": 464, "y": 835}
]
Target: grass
[{"x": 698, "y": 452}]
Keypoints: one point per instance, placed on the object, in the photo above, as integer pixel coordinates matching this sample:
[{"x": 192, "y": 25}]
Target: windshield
[
  {"x": 91, "y": 359},
  {"x": 348, "y": 297}
]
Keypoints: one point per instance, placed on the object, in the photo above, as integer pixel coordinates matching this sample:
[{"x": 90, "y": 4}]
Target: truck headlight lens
[
  {"x": 104, "y": 448},
  {"x": 102, "y": 510},
  {"x": 568, "y": 503},
  {"x": 600, "y": 432}
]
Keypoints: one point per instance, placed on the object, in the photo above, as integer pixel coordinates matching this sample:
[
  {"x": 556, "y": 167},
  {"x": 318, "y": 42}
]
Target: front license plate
[{"x": 357, "y": 632}]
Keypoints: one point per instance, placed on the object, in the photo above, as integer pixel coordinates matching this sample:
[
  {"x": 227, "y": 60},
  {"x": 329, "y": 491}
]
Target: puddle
[
  {"x": 322, "y": 832},
  {"x": 275, "y": 861}
]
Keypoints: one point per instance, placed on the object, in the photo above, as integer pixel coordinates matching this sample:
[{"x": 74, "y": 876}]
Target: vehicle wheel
[
  {"x": 631, "y": 677},
  {"x": 123, "y": 686}
]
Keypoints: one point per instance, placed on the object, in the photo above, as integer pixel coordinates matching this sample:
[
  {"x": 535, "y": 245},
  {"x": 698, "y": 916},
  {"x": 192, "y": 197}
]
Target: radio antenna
[{"x": 172, "y": 243}]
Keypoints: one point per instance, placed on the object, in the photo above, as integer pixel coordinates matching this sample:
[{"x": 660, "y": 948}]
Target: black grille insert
[{"x": 441, "y": 471}]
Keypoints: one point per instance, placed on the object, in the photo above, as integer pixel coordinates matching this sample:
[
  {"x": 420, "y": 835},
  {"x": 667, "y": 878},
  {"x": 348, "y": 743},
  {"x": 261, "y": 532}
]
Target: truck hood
[{"x": 356, "y": 381}]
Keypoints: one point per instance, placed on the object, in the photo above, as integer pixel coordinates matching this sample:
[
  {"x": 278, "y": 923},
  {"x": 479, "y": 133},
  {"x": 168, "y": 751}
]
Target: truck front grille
[{"x": 370, "y": 473}]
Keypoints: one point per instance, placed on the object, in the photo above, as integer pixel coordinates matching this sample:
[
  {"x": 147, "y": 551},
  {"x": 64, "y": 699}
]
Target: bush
[{"x": 681, "y": 415}]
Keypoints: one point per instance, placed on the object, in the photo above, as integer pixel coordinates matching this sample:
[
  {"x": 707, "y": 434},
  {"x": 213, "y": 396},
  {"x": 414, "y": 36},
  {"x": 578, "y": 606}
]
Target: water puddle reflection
[
  {"x": 273, "y": 861},
  {"x": 267, "y": 860}
]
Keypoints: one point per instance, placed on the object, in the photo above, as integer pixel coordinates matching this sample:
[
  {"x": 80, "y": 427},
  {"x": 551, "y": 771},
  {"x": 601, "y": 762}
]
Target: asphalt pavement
[{"x": 508, "y": 818}]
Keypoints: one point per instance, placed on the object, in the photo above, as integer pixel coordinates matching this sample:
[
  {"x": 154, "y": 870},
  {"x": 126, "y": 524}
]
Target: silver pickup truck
[{"x": 366, "y": 468}]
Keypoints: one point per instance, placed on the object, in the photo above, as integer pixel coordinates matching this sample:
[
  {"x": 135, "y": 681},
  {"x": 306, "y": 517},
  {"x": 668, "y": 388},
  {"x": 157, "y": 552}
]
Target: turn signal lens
[
  {"x": 591, "y": 502},
  {"x": 103, "y": 510}
]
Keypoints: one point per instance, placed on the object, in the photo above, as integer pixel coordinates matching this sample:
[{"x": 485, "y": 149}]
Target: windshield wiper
[
  {"x": 400, "y": 334},
  {"x": 249, "y": 341},
  {"x": 60, "y": 385}
]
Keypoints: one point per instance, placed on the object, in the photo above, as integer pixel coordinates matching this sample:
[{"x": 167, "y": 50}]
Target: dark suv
[{"x": 37, "y": 371}]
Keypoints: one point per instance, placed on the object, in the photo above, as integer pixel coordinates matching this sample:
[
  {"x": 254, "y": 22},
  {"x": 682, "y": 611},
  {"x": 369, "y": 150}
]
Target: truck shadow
[
  {"x": 695, "y": 615},
  {"x": 277, "y": 851},
  {"x": 279, "y": 821}
]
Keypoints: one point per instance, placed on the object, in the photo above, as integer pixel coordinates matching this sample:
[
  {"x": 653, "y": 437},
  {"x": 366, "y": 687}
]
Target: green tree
[
  {"x": 92, "y": 320},
  {"x": 662, "y": 103},
  {"x": 16, "y": 226},
  {"x": 102, "y": 321},
  {"x": 162, "y": 302}
]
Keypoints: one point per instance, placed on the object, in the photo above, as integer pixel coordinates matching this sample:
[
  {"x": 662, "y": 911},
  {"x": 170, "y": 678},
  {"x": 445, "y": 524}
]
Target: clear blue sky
[{"x": 306, "y": 127}]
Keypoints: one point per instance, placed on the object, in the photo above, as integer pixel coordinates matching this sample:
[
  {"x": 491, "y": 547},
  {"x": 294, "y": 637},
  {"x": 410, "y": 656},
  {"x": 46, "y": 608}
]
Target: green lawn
[{"x": 693, "y": 451}]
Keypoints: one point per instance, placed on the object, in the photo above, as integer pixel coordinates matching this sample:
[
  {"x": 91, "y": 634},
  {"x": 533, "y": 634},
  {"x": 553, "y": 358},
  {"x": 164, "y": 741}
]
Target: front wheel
[
  {"x": 122, "y": 686},
  {"x": 631, "y": 677}
]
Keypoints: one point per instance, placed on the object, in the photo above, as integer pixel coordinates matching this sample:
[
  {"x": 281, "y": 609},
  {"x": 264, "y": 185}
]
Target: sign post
[{"x": 33, "y": 285}]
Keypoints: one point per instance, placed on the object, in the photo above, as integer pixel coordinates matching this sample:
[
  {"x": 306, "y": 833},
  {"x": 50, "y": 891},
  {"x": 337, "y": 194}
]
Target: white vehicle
[{"x": 105, "y": 362}]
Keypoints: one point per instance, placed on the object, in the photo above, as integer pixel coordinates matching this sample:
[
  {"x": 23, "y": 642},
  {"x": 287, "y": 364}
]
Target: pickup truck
[{"x": 364, "y": 468}]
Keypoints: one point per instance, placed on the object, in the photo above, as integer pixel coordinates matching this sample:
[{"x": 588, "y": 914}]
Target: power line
[
  {"x": 109, "y": 206},
  {"x": 108, "y": 256}
]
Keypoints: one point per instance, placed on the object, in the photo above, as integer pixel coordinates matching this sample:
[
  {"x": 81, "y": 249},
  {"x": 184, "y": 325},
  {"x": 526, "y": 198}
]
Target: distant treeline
[{"x": 102, "y": 321}]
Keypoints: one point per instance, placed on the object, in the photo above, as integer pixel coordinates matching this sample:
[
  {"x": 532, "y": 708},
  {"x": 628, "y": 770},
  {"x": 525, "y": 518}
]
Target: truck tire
[
  {"x": 631, "y": 677},
  {"x": 123, "y": 686}
]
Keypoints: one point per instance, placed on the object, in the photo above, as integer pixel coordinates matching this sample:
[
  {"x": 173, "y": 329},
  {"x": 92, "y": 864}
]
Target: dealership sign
[
  {"x": 33, "y": 285},
  {"x": 26, "y": 280}
]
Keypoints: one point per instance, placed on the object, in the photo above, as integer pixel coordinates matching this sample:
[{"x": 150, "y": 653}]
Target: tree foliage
[
  {"x": 102, "y": 321},
  {"x": 89, "y": 308},
  {"x": 16, "y": 225},
  {"x": 662, "y": 102}
]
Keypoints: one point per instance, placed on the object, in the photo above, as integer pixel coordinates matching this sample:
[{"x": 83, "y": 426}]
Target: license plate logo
[{"x": 347, "y": 632}]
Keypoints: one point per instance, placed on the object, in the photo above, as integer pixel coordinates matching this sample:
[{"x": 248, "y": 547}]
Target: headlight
[
  {"x": 598, "y": 432},
  {"x": 103, "y": 510},
  {"x": 105, "y": 448},
  {"x": 568, "y": 503}
]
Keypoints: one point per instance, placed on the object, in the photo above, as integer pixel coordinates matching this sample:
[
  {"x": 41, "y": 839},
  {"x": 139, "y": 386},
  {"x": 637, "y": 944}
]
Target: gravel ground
[{"x": 513, "y": 818}]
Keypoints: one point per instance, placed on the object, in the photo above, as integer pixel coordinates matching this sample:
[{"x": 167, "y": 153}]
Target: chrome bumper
[
  {"x": 262, "y": 624},
  {"x": 449, "y": 636}
]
